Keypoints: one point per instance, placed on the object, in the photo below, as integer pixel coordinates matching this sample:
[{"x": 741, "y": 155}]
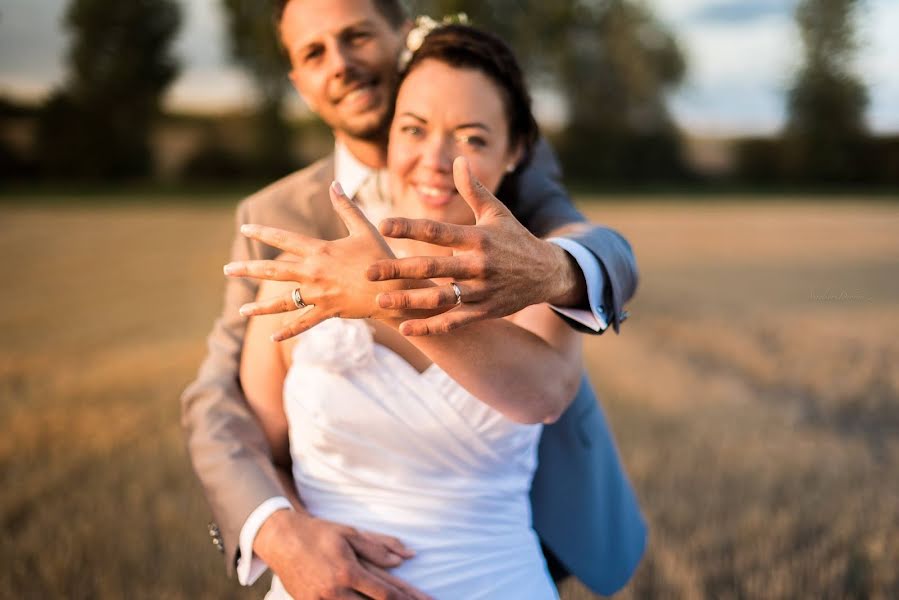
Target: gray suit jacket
[{"x": 228, "y": 448}]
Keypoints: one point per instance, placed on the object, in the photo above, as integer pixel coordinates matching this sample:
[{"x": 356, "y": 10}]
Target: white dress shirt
[{"x": 352, "y": 174}]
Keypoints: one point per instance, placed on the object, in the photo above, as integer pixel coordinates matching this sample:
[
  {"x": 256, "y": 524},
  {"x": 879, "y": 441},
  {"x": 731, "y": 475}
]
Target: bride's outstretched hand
[{"x": 330, "y": 275}]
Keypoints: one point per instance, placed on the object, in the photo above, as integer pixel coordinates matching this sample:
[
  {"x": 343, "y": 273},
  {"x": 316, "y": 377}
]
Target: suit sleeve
[
  {"x": 545, "y": 209},
  {"x": 227, "y": 447}
]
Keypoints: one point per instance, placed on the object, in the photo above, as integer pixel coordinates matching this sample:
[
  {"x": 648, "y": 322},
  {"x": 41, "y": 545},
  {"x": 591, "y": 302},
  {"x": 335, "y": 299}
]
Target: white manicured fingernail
[{"x": 338, "y": 188}]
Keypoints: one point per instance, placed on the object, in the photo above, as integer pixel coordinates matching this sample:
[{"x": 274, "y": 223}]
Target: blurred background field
[
  {"x": 754, "y": 394},
  {"x": 748, "y": 150}
]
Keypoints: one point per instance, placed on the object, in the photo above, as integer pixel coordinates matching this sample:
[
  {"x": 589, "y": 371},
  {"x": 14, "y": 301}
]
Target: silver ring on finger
[
  {"x": 457, "y": 291},
  {"x": 297, "y": 298}
]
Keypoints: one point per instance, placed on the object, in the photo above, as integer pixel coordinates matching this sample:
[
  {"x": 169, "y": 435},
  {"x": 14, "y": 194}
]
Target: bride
[{"x": 429, "y": 439}]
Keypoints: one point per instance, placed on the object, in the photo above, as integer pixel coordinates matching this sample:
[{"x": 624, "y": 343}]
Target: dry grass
[{"x": 754, "y": 395}]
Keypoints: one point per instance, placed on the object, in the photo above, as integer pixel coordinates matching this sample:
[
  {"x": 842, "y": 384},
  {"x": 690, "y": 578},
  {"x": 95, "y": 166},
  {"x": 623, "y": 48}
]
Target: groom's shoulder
[{"x": 300, "y": 191}]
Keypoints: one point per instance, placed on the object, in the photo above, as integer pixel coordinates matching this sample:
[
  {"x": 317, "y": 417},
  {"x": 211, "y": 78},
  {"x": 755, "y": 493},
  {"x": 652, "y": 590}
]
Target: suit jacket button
[{"x": 216, "y": 536}]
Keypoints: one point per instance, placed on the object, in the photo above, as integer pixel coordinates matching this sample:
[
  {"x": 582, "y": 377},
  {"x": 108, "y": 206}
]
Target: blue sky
[{"x": 741, "y": 55}]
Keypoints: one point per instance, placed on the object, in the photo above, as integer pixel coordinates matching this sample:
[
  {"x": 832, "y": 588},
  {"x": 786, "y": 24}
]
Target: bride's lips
[{"x": 434, "y": 196}]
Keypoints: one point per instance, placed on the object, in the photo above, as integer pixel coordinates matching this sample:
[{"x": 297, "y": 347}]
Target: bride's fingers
[
  {"x": 306, "y": 321},
  {"x": 293, "y": 243},
  {"x": 348, "y": 211},
  {"x": 278, "y": 270},
  {"x": 272, "y": 306}
]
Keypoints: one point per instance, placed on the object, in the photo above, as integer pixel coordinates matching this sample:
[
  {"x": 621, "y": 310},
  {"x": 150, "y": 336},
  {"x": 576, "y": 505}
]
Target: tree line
[{"x": 612, "y": 62}]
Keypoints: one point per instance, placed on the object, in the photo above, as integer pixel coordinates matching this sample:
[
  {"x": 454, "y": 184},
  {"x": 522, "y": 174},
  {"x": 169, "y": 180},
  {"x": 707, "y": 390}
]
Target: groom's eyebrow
[{"x": 414, "y": 116}]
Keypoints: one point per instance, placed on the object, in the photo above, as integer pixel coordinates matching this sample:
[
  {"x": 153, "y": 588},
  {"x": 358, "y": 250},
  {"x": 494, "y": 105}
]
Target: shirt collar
[{"x": 348, "y": 170}]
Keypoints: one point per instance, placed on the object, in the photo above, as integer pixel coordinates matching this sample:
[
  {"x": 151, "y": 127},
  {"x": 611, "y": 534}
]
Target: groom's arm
[
  {"x": 228, "y": 449},
  {"x": 605, "y": 258}
]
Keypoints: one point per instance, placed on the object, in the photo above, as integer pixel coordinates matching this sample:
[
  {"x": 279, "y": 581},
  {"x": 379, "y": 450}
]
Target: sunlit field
[{"x": 754, "y": 393}]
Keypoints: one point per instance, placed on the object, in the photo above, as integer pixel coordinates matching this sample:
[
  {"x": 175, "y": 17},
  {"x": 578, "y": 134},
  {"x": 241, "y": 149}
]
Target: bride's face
[{"x": 443, "y": 112}]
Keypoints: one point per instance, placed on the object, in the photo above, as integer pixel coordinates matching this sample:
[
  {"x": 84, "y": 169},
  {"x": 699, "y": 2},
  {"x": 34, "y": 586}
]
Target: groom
[{"x": 343, "y": 55}]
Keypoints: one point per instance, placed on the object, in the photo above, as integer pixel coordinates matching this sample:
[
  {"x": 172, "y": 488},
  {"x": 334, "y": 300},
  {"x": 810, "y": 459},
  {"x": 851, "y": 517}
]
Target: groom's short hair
[{"x": 391, "y": 10}]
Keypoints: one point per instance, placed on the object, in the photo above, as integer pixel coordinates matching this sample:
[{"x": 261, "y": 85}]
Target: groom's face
[{"x": 343, "y": 56}]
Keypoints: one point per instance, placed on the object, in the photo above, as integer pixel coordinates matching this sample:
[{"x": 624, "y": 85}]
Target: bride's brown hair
[{"x": 466, "y": 47}]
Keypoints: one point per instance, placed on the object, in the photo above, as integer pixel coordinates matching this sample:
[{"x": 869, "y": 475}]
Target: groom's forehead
[{"x": 390, "y": 12}]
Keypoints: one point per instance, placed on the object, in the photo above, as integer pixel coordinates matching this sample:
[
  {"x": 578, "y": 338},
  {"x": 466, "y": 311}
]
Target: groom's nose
[{"x": 339, "y": 61}]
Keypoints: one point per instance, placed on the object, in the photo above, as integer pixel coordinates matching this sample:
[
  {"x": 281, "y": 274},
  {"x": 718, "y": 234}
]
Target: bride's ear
[{"x": 515, "y": 157}]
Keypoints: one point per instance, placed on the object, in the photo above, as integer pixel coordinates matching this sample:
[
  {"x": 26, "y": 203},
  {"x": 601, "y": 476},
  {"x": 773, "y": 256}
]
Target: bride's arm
[
  {"x": 527, "y": 366},
  {"x": 262, "y": 371}
]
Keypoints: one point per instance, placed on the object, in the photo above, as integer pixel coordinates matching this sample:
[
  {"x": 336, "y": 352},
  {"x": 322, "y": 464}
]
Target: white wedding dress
[{"x": 381, "y": 447}]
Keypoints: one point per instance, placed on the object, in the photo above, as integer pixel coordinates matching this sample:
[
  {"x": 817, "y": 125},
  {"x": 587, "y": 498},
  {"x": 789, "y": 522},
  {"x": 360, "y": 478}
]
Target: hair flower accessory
[{"x": 423, "y": 26}]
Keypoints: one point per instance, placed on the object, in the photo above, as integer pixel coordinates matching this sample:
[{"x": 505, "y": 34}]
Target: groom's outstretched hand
[
  {"x": 321, "y": 560},
  {"x": 497, "y": 264}
]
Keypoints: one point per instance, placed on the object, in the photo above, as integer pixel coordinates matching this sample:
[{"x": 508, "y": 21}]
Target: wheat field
[{"x": 754, "y": 394}]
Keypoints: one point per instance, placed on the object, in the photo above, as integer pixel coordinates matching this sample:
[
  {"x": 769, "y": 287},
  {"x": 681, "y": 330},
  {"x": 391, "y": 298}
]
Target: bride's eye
[{"x": 475, "y": 141}]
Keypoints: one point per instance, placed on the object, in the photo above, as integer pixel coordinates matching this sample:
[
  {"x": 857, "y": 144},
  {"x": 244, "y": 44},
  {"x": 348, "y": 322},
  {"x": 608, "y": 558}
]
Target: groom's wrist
[
  {"x": 568, "y": 288},
  {"x": 276, "y": 531}
]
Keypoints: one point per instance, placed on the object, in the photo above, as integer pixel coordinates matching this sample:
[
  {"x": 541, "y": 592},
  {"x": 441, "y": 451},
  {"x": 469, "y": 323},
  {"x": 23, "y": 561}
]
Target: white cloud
[
  {"x": 675, "y": 12},
  {"x": 32, "y": 44},
  {"x": 208, "y": 80},
  {"x": 737, "y": 74},
  {"x": 739, "y": 71},
  {"x": 878, "y": 63}
]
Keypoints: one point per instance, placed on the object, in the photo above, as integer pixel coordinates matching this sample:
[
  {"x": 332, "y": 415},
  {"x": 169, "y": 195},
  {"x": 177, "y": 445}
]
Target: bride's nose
[{"x": 438, "y": 153}]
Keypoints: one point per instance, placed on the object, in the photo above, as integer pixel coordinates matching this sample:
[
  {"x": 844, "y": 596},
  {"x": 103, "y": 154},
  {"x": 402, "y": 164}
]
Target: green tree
[
  {"x": 825, "y": 134},
  {"x": 255, "y": 46},
  {"x": 613, "y": 63},
  {"x": 120, "y": 64}
]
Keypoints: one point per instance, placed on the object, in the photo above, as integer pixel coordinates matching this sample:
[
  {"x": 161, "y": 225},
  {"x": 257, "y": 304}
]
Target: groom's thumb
[{"x": 473, "y": 191}]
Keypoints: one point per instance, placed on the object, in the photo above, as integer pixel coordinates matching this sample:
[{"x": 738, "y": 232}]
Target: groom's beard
[{"x": 372, "y": 124}]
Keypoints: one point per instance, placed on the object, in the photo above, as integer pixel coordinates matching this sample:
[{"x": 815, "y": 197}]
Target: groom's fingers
[
  {"x": 379, "y": 541},
  {"x": 426, "y": 230},
  {"x": 425, "y": 267},
  {"x": 439, "y": 296},
  {"x": 479, "y": 198},
  {"x": 375, "y": 552},
  {"x": 381, "y": 579}
]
